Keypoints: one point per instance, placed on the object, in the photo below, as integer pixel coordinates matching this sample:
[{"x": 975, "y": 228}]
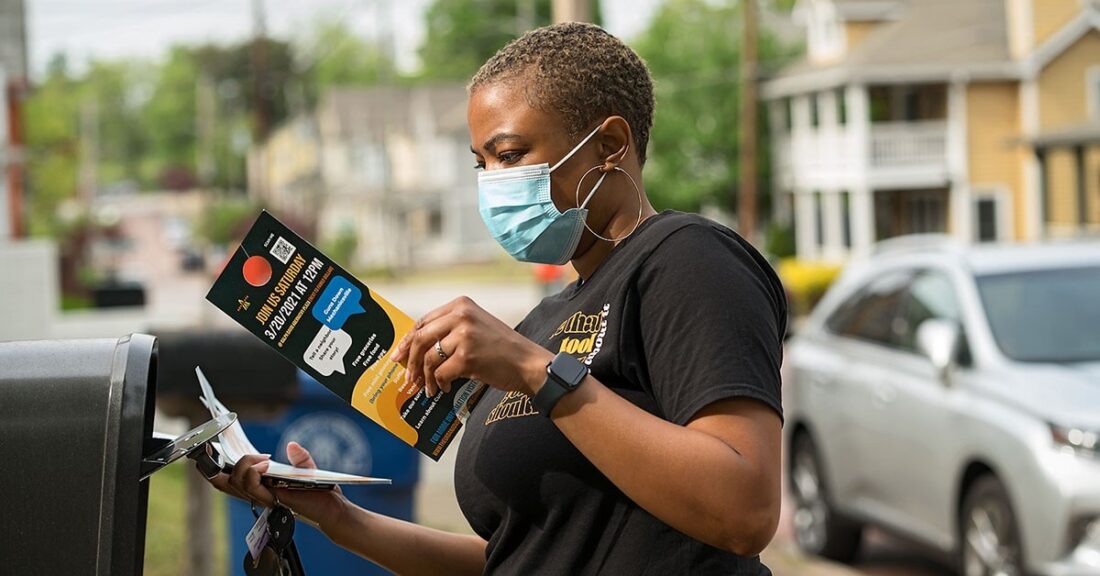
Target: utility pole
[
  {"x": 746, "y": 202},
  {"x": 260, "y": 86},
  {"x": 260, "y": 91},
  {"x": 572, "y": 11}
]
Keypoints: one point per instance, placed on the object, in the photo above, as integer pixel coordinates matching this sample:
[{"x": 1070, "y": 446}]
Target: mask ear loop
[{"x": 593, "y": 192}]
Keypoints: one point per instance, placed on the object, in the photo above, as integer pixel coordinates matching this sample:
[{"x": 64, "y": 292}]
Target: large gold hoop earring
[{"x": 577, "y": 199}]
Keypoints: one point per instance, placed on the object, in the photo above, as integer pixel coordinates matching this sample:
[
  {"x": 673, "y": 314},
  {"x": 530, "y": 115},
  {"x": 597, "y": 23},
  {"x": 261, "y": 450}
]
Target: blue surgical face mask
[{"x": 516, "y": 206}]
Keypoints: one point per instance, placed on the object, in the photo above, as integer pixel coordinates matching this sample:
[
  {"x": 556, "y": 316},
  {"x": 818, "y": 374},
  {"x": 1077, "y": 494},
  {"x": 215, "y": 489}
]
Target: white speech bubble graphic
[{"x": 326, "y": 353}]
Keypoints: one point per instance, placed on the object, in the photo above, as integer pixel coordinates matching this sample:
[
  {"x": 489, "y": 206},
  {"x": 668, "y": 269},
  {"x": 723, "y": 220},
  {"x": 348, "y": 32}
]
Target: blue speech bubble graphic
[{"x": 338, "y": 302}]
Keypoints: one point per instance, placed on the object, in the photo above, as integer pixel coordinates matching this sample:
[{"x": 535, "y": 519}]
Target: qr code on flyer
[{"x": 282, "y": 250}]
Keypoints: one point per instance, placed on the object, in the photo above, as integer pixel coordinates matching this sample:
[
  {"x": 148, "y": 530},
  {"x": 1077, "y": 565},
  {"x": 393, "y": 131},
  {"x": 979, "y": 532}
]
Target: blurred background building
[
  {"x": 980, "y": 118},
  {"x": 389, "y": 166}
]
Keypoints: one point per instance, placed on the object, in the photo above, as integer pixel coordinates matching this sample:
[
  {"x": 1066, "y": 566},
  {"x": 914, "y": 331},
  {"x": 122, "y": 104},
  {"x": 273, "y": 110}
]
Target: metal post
[{"x": 746, "y": 201}]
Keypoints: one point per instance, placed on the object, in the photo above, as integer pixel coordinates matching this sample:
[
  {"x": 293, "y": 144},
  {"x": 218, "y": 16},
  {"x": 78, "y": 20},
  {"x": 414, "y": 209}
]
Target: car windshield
[{"x": 1045, "y": 315}]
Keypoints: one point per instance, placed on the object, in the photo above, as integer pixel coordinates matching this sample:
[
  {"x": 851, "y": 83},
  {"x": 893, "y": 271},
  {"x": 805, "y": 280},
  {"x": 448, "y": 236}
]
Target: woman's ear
[{"x": 615, "y": 139}]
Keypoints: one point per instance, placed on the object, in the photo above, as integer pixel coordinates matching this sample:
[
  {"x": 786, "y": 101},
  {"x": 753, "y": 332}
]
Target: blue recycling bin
[{"x": 343, "y": 440}]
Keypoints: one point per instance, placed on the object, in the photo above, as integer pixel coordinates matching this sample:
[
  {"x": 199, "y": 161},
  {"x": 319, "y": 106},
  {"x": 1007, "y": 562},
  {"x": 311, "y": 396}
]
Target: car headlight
[{"x": 1075, "y": 439}]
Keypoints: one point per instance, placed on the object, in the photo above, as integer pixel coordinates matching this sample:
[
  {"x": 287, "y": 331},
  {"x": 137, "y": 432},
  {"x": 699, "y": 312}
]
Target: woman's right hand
[{"x": 321, "y": 507}]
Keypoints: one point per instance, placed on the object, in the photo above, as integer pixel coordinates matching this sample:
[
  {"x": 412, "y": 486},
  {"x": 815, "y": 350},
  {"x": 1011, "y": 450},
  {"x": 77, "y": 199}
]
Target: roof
[
  {"x": 934, "y": 37},
  {"x": 1076, "y": 135},
  {"x": 361, "y": 113}
]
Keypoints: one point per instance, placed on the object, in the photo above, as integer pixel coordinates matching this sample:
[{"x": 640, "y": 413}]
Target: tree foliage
[
  {"x": 146, "y": 113},
  {"x": 463, "y": 34},
  {"x": 692, "y": 48}
]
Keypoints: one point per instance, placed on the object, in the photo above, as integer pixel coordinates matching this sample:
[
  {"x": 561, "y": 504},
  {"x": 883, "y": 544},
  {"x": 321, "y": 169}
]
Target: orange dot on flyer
[{"x": 257, "y": 271}]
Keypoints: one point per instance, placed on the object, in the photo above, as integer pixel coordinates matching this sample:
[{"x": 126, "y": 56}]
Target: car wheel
[
  {"x": 818, "y": 529},
  {"x": 990, "y": 535}
]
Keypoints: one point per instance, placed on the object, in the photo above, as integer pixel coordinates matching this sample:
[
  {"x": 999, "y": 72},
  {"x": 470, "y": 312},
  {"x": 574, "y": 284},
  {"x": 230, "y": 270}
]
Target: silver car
[{"x": 952, "y": 395}]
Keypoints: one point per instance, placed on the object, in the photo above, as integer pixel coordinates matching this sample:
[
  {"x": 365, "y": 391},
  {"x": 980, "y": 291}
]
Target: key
[
  {"x": 268, "y": 563},
  {"x": 280, "y": 524}
]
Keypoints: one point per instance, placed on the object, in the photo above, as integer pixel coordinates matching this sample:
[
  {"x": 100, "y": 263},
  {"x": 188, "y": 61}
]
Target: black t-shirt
[{"x": 681, "y": 314}]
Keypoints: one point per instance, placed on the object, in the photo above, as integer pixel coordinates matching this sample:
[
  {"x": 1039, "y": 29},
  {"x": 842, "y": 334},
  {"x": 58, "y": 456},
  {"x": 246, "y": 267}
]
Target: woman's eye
[
  {"x": 510, "y": 157},
  {"x": 479, "y": 165}
]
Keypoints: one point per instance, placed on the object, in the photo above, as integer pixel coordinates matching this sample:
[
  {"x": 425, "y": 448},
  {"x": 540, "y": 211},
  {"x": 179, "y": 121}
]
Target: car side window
[
  {"x": 931, "y": 296},
  {"x": 872, "y": 314}
]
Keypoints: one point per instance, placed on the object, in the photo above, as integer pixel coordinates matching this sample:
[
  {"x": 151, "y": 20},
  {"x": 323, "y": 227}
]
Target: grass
[{"x": 166, "y": 527}]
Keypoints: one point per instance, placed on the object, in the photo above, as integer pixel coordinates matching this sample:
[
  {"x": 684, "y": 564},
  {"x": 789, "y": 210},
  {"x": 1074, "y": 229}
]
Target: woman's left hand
[{"x": 475, "y": 345}]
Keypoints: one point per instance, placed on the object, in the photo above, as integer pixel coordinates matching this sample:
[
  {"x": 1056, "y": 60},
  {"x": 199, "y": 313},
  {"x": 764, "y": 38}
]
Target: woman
[{"x": 633, "y": 421}]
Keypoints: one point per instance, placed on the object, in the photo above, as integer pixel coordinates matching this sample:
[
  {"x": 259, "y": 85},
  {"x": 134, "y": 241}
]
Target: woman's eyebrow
[{"x": 491, "y": 144}]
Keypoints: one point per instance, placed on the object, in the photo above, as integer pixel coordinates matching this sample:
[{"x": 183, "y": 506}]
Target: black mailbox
[
  {"x": 76, "y": 417},
  {"x": 247, "y": 374}
]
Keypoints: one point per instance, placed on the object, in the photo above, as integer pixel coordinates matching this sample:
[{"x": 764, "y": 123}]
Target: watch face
[{"x": 570, "y": 370}]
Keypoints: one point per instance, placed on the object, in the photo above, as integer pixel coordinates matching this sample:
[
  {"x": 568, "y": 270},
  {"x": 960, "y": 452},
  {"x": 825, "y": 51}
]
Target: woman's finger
[
  {"x": 299, "y": 456},
  {"x": 433, "y": 360},
  {"x": 423, "y": 339},
  {"x": 245, "y": 478},
  {"x": 401, "y": 351}
]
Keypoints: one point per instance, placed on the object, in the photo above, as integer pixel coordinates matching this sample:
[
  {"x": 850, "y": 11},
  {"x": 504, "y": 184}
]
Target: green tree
[
  {"x": 463, "y": 34},
  {"x": 333, "y": 55},
  {"x": 169, "y": 116},
  {"x": 51, "y": 136},
  {"x": 693, "y": 51}
]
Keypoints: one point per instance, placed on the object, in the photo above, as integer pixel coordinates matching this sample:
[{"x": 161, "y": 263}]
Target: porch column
[
  {"x": 860, "y": 199},
  {"x": 832, "y": 219},
  {"x": 781, "y": 154},
  {"x": 1082, "y": 187},
  {"x": 805, "y": 219},
  {"x": 1033, "y": 204},
  {"x": 961, "y": 211}
]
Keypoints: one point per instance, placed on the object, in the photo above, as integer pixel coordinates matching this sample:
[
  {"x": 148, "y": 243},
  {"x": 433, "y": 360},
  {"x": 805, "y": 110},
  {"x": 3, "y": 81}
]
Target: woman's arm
[
  {"x": 716, "y": 479},
  {"x": 402, "y": 547}
]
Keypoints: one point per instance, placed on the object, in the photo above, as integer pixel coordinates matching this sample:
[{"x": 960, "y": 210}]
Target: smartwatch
[{"x": 563, "y": 375}]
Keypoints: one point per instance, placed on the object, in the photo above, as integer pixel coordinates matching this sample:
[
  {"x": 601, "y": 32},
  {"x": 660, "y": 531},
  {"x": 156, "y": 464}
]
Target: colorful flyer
[{"x": 331, "y": 325}]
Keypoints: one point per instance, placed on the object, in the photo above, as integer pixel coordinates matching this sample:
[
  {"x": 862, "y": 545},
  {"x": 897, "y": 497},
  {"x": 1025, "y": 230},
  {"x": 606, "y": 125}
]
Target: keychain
[{"x": 271, "y": 548}]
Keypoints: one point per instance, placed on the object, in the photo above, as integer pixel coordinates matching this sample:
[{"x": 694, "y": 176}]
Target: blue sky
[{"x": 106, "y": 29}]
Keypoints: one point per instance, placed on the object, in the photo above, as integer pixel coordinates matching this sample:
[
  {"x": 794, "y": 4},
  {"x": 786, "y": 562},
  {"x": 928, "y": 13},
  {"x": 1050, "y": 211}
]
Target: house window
[
  {"x": 815, "y": 119},
  {"x": 841, "y": 107},
  {"x": 367, "y": 163},
  {"x": 986, "y": 213},
  {"x": 991, "y": 217},
  {"x": 435, "y": 222}
]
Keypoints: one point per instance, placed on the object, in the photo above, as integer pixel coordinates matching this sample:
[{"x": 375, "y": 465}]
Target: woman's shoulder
[
  {"x": 685, "y": 238},
  {"x": 696, "y": 255}
]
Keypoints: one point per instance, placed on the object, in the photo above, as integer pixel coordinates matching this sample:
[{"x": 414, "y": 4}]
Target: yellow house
[{"x": 978, "y": 118}]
